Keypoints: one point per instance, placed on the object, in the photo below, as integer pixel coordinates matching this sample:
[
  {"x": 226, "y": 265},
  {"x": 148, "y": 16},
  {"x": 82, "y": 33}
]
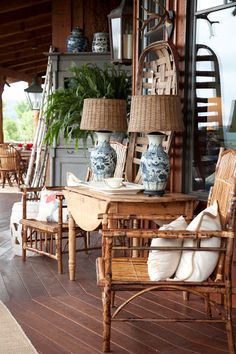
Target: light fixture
[
  {"x": 155, "y": 114},
  {"x": 121, "y": 32},
  {"x": 104, "y": 116},
  {"x": 34, "y": 94}
]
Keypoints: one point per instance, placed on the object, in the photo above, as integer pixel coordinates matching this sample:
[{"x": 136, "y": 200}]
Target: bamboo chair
[
  {"x": 11, "y": 165},
  {"x": 118, "y": 270},
  {"x": 43, "y": 237}
]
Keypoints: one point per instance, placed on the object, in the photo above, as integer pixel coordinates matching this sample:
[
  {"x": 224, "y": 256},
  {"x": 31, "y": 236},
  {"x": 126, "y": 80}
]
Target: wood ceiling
[{"x": 25, "y": 35}]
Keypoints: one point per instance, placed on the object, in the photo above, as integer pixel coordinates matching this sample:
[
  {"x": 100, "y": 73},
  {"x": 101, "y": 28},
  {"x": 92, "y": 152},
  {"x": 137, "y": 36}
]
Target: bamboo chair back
[
  {"x": 157, "y": 75},
  {"x": 9, "y": 158},
  {"x": 224, "y": 186},
  {"x": 10, "y": 164},
  {"x": 121, "y": 152},
  {"x": 119, "y": 270}
]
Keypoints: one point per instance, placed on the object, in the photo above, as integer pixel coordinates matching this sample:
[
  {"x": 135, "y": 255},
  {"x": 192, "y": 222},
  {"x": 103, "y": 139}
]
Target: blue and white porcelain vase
[
  {"x": 103, "y": 157},
  {"x": 100, "y": 42},
  {"x": 155, "y": 166},
  {"x": 76, "y": 42}
]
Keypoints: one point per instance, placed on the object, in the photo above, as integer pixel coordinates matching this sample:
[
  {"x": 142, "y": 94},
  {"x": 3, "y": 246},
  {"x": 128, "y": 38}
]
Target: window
[{"x": 212, "y": 91}]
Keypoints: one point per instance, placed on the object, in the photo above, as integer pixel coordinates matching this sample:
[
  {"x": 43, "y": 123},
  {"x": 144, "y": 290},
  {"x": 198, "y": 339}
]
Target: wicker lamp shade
[
  {"x": 153, "y": 113},
  {"x": 104, "y": 114}
]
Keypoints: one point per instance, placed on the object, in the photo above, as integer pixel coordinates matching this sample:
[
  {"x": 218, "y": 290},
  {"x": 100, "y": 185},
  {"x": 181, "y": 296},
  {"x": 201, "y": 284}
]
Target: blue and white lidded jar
[{"x": 76, "y": 42}]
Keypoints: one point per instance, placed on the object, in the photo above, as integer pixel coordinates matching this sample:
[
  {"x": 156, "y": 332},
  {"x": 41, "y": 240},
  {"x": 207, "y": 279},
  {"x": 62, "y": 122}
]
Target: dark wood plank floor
[{"x": 60, "y": 316}]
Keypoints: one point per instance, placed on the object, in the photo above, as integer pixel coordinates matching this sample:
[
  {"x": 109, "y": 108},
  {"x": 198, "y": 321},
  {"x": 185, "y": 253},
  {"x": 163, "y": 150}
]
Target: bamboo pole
[
  {"x": 2, "y": 83},
  {"x": 36, "y": 172}
]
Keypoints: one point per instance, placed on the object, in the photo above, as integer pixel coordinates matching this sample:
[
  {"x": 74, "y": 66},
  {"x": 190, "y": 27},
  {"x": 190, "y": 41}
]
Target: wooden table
[{"x": 84, "y": 206}]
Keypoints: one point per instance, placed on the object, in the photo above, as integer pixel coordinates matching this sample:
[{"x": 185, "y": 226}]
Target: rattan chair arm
[{"x": 169, "y": 234}]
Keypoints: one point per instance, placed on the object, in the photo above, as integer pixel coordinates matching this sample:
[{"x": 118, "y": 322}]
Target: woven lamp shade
[
  {"x": 104, "y": 114},
  {"x": 153, "y": 113}
]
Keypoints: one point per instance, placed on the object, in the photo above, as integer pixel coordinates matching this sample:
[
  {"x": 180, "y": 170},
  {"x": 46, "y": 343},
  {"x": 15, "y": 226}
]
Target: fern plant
[{"x": 64, "y": 107}]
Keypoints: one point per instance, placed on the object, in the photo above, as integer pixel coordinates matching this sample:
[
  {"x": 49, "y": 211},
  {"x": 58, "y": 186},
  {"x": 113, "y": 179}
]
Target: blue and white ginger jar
[{"x": 76, "y": 42}]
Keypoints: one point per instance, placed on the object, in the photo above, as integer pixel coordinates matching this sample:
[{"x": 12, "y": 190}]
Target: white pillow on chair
[
  {"x": 163, "y": 264},
  {"x": 198, "y": 265},
  {"x": 48, "y": 207}
]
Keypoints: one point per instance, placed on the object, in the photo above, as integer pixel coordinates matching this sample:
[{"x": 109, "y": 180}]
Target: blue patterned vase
[
  {"x": 103, "y": 158},
  {"x": 76, "y": 42},
  {"x": 100, "y": 42},
  {"x": 155, "y": 166}
]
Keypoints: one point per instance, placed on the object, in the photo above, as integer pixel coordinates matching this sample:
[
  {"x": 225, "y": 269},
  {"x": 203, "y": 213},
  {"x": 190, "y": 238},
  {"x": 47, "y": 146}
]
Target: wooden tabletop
[
  {"x": 85, "y": 205},
  {"x": 140, "y": 197}
]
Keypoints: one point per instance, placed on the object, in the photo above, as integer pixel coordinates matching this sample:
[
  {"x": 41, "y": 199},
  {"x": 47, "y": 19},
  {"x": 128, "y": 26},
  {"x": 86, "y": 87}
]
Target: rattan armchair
[
  {"x": 11, "y": 165},
  {"x": 118, "y": 270}
]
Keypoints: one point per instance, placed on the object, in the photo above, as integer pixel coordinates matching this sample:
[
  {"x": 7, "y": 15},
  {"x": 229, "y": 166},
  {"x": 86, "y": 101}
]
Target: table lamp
[
  {"x": 104, "y": 116},
  {"x": 155, "y": 114}
]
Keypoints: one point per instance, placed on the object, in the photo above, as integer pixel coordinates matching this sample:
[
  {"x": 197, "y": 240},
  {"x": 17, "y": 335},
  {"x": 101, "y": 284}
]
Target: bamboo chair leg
[
  {"x": 3, "y": 179},
  {"x": 24, "y": 243},
  {"x": 85, "y": 242},
  {"x": 59, "y": 254},
  {"x": 185, "y": 295},
  {"x": 106, "y": 319},
  {"x": 208, "y": 306},
  {"x": 9, "y": 180},
  {"x": 113, "y": 294},
  {"x": 229, "y": 322}
]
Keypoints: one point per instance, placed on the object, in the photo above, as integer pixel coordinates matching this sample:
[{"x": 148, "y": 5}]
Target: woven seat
[
  {"x": 118, "y": 270},
  {"x": 43, "y": 225}
]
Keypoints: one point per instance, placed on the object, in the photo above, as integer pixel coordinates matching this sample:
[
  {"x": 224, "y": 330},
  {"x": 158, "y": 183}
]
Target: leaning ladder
[{"x": 36, "y": 173}]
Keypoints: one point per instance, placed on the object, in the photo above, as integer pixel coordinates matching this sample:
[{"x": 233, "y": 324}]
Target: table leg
[{"x": 72, "y": 248}]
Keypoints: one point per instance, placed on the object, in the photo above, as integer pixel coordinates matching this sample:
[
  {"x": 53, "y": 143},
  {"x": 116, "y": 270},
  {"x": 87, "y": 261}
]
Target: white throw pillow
[
  {"x": 48, "y": 207},
  {"x": 163, "y": 264},
  {"x": 72, "y": 180},
  {"x": 198, "y": 265}
]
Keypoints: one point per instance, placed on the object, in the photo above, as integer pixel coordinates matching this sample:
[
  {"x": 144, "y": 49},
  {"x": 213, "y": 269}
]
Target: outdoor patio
[{"x": 62, "y": 316}]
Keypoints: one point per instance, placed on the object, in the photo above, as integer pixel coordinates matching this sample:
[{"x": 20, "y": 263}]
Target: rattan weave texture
[
  {"x": 101, "y": 114},
  {"x": 153, "y": 113}
]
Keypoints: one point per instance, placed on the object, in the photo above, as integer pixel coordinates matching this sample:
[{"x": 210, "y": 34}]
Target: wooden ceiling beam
[
  {"x": 20, "y": 76},
  {"x": 23, "y": 54},
  {"x": 24, "y": 65},
  {"x": 13, "y": 5},
  {"x": 25, "y": 14},
  {"x": 25, "y": 26},
  {"x": 31, "y": 59},
  {"x": 24, "y": 37},
  {"x": 36, "y": 70},
  {"x": 33, "y": 44}
]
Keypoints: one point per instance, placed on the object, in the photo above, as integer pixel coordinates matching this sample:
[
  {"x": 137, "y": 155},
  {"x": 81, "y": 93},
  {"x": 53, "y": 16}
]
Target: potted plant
[{"x": 64, "y": 107}]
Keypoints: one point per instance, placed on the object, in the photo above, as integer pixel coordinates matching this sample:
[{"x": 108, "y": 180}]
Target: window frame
[{"x": 191, "y": 15}]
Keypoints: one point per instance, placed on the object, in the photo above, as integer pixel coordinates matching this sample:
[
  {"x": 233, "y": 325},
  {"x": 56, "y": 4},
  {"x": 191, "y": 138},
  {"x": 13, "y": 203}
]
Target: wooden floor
[{"x": 60, "y": 316}]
